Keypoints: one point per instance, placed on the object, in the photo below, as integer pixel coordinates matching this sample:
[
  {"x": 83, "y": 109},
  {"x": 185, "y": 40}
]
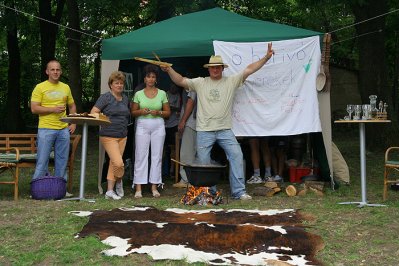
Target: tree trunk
[
  {"x": 395, "y": 85},
  {"x": 14, "y": 122},
  {"x": 73, "y": 43},
  {"x": 48, "y": 30},
  {"x": 97, "y": 74},
  {"x": 373, "y": 77}
]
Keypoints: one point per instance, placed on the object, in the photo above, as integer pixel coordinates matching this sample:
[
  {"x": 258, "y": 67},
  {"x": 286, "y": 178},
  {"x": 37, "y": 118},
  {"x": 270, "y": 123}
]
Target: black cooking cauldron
[
  {"x": 204, "y": 175},
  {"x": 200, "y": 175}
]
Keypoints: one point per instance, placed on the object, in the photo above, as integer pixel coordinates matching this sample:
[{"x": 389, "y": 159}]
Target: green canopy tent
[{"x": 192, "y": 35}]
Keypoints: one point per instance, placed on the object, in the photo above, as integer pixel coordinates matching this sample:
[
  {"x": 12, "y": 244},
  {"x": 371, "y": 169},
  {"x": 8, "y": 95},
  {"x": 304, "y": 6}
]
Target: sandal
[
  {"x": 138, "y": 195},
  {"x": 155, "y": 193}
]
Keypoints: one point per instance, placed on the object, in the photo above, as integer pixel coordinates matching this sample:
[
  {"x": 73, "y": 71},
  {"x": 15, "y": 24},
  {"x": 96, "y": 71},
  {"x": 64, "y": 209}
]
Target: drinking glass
[
  {"x": 366, "y": 112},
  {"x": 350, "y": 108},
  {"x": 358, "y": 111}
]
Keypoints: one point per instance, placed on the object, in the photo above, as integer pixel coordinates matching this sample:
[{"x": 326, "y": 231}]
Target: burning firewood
[{"x": 201, "y": 196}]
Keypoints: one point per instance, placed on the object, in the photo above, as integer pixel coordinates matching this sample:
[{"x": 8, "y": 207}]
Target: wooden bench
[{"x": 19, "y": 151}]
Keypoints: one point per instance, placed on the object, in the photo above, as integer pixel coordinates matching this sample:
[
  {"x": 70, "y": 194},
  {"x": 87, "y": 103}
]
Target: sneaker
[
  {"x": 275, "y": 178},
  {"x": 110, "y": 194},
  {"x": 245, "y": 196},
  {"x": 119, "y": 189},
  {"x": 181, "y": 184},
  {"x": 254, "y": 180},
  {"x": 68, "y": 195},
  {"x": 267, "y": 178}
]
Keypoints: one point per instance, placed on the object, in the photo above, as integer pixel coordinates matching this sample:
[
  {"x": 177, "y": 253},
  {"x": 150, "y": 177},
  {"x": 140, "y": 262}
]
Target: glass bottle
[
  {"x": 381, "y": 106},
  {"x": 385, "y": 111},
  {"x": 373, "y": 104}
]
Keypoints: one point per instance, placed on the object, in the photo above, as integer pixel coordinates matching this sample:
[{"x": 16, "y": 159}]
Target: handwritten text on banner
[{"x": 280, "y": 98}]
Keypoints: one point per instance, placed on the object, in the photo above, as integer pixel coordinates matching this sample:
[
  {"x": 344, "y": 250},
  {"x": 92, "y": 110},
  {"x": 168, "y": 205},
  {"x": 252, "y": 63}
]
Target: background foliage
[{"x": 371, "y": 48}]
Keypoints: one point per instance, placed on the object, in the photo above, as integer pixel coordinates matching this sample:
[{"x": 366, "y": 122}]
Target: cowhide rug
[{"x": 219, "y": 237}]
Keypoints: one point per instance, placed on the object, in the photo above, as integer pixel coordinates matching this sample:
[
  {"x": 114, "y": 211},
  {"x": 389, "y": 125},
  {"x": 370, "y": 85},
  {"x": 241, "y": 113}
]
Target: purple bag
[{"x": 48, "y": 187}]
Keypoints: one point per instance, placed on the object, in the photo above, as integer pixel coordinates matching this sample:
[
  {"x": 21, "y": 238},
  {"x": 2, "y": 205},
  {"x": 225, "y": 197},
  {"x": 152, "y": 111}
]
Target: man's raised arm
[
  {"x": 178, "y": 79},
  {"x": 255, "y": 66}
]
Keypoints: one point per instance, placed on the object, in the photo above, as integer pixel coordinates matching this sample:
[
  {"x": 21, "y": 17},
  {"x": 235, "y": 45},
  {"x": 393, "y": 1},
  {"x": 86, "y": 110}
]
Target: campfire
[{"x": 201, "y": 196}]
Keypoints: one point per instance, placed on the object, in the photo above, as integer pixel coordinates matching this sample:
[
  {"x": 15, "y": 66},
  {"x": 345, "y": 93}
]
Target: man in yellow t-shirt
[{"x": 49, "y": 100}]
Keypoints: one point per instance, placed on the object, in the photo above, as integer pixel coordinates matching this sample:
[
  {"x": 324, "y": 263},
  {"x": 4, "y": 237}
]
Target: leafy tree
[
  {"x": 392, "y": 54},
  {"x": 116, "y": 18},
  {"x": 373, "y": 67},
  {"x": 13, "y": 122},
  {"x": 49, "y": 29},
  {"x": 354, "y": 47},
  {"x": 74, "y": 51}
]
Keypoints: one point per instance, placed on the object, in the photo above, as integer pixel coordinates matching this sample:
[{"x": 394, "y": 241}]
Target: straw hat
[{"x": 215, "y": 60}]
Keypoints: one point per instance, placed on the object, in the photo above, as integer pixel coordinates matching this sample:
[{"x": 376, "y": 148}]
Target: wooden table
[
  {"x": 86, "y": 122},
  {"x": 362, "y": 137}
]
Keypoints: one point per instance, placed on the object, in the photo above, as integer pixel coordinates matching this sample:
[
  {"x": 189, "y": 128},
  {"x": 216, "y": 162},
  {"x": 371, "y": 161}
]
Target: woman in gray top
[{"x": 115, "y": 105}]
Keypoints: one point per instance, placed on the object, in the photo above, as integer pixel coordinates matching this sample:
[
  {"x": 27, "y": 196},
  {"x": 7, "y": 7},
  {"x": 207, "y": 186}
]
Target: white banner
[{"x": 280, "y": 98}]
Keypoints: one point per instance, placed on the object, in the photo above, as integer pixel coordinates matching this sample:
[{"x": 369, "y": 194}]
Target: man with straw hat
[{"x": 215, "y": 95}]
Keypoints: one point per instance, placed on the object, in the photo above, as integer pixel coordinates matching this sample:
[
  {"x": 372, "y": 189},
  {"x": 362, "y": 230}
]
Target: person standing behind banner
[
  {"x": 215, "y": 95},
  {"x": 150, "y": 106},
  {"x": 260, "y": 145},
  {"x": 115, "y": 105},
  {"x": 49, "y": 100},
  {"x": 188, "y": 148},
  {"x": 278, "y": 149},
  {"x": 174, "y": 99}
]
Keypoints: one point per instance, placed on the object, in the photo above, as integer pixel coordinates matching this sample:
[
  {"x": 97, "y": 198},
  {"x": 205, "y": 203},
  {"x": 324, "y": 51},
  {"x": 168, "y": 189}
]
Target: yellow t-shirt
[{"x": 50, "y": 95}]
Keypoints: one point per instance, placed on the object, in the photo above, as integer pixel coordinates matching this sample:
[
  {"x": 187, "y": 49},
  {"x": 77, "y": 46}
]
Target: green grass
[{"x": 43, "y": 233}]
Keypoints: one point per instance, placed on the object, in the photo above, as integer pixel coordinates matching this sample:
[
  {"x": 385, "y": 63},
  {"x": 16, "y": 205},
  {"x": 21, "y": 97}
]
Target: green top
[{"x": 155, "y": 103}]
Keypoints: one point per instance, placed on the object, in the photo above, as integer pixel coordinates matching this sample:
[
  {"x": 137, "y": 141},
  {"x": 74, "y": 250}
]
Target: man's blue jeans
[
  {"x": 228, "y": 142},
  {"x": 46, "y": 139}
]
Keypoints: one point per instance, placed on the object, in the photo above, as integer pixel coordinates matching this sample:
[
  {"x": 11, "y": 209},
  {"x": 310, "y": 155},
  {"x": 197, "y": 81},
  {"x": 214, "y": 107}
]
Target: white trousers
[{"x": 149, "y": 131}]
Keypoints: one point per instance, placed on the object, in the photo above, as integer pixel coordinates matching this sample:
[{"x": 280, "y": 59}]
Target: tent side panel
[
  {"x": 325, "y": 119},
  {"x": 107, "y": 67}
]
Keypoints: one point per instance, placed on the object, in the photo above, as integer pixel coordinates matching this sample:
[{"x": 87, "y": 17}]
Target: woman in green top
[{"x": 150, "y": 106}]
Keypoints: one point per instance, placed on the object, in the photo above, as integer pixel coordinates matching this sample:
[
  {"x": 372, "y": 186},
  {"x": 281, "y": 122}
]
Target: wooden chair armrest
[
  {"x": 11, "y": 149},
  {"x": 389, "y": 152},
  {"x": 76, "y": 139}
]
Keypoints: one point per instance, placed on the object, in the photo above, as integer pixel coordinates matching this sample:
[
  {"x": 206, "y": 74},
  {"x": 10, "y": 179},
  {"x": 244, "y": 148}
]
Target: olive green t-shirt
[{"x": 214, "y": 101}]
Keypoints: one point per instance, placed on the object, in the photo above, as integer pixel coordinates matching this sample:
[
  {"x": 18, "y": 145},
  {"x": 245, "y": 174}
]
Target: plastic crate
[{"x": 296, "y": 173}]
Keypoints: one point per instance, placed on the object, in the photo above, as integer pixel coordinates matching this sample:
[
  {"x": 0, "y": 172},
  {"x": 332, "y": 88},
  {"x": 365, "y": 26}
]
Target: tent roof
[{"x": 192, "y": 35}]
